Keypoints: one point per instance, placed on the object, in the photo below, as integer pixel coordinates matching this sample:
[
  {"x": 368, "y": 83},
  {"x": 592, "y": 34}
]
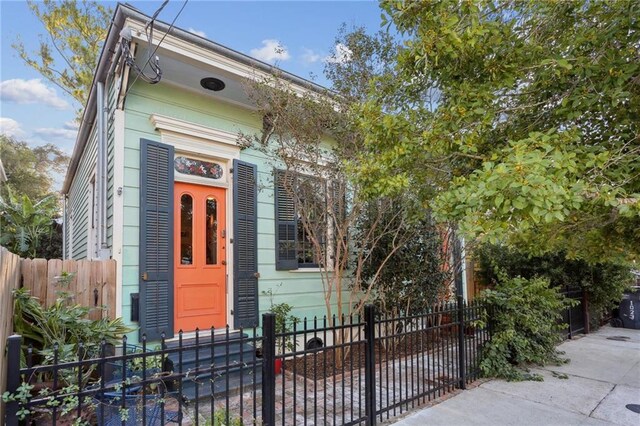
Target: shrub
[
  {"x": 61, "y": 328},
  {"x": 285, "y": 321},
  {"x": 524, "y": 316},
  {"x": 604, "y": 283},
  {"x": 413, "y": 278}
]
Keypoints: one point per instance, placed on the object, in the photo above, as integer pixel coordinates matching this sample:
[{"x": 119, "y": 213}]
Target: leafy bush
[
  {"x": 285, "y": 321},
  {"x": 604, "y": 283},
  {"x": 524, "y": 316},
  {"x": 63, "y": 326},
  {"x": 413, "y": 277},
  {"x": 59, "y": 332},
  {"x": 224, "y": 418}
]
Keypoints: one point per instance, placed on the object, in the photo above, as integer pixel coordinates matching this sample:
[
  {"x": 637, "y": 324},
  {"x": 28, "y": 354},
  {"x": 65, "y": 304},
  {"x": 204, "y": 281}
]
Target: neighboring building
[{"x": 158, "y": 182}]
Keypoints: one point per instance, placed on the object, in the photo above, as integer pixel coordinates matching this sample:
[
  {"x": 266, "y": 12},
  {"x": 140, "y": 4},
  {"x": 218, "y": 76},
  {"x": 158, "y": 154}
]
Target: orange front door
[{"x": 200, "y": 257}]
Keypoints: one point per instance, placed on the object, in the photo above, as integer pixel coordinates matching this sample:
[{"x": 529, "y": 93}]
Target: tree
[
  {"x": 68, "y": 55},
  {"x": 316, "y": 176},
  {"x": 323, "y": 204},
  {"x": 517, "y": 120},
  {"x": 25, "y": 223},
  {"x": 30, "y": 171}
]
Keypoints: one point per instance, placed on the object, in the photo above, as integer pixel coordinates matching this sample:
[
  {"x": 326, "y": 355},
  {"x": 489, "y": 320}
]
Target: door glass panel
[
  {"x": 186, "y": 229},
  {"x": 211, "y": 232}
]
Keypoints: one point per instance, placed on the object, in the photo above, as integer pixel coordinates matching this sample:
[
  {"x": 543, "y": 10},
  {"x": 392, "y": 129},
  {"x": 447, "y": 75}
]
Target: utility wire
[{"x": 156, "y": 68}]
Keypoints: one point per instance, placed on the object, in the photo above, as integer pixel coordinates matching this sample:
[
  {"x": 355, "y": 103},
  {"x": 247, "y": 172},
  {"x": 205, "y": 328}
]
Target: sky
[{"x": 297, "y": 36}]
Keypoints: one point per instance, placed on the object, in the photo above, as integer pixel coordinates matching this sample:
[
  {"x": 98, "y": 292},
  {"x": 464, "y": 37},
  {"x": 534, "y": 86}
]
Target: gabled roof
[{"x": 126, "y": 12}]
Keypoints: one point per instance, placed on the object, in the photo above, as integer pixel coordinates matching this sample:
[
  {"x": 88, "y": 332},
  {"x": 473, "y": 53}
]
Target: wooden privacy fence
[
  {"x": 9, "y": 280},
  {"x": 92, "y": 284}
]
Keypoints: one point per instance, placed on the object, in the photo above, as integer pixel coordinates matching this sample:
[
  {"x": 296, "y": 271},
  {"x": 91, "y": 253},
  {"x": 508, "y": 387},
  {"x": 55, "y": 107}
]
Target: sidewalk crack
[{"x": 605, "y": 397}]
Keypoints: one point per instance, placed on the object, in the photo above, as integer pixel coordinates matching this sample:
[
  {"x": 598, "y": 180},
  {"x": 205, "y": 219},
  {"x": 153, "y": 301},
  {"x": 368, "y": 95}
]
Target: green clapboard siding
[
  {"x": 79, "y": 203},
  {"x": 303, "y": 290}
]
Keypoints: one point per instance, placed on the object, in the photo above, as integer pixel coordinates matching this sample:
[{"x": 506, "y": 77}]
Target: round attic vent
[{"x": 212, "y": 83}]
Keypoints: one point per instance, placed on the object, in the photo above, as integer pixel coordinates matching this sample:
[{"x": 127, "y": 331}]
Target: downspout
[
  {"x": 101, "y": 171},
  {"x": 105, "y": 252},
  {"x": 64, "y": 227}
]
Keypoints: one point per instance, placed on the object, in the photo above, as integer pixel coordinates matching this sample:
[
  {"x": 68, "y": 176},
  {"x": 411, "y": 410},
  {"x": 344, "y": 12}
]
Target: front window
[
  {"x": 306, "y": 215},
  {"x": 311, "y": 217}
]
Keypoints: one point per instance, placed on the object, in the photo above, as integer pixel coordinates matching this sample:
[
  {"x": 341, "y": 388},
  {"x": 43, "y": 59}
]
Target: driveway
[{"x": 594, "y": 388}]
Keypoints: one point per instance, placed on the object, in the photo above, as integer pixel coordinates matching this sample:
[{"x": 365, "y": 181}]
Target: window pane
[
  {"x": 191, "y": 166},
  {"x": 186, "y": 229},
  {"x": 311, "y": 220},
  {"x": 212, "y": 232}
]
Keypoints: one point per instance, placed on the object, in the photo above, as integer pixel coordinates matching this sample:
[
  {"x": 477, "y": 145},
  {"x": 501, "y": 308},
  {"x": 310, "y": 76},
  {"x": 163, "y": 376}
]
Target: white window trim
[{"x": 193, "y": 132}]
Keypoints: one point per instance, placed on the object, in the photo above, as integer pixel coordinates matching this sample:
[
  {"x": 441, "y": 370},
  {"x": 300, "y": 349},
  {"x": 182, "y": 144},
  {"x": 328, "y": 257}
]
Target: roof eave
[
  {"x": 89, "y": 114},
  {"x": 124, "y": 11}
]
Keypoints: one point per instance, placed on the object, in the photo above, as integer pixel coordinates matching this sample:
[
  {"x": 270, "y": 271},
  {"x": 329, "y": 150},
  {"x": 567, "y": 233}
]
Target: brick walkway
[{"x": 340, "y": 399}]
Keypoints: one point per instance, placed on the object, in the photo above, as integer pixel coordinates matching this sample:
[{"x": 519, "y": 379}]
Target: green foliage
[
  {"x": 68, "y": 55},
  {"x": 284, "y": 322},
  {"x": 223, "y": 418},
  {"x": 24, "y": 223},
  {"x": 50, "y": 244},
  {"x": 62, "y": 327},
  {"x": 515, "y": 119},
  {"x": 311, "y": 140},
  {"x": 30, "y": 170},
  {"x": 370, "y": 56},
  {"x": 58, "y": 332},
  {"x": 22, "y": 396},
  {"x": 524, "y": 316},
  {"x": 413, "y": 277},
  {"x": 604, "y": 283}
]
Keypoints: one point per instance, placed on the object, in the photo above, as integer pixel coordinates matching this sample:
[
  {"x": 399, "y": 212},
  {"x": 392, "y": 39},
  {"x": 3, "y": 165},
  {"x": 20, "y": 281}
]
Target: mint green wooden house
[{"x": 159, "y": 182}]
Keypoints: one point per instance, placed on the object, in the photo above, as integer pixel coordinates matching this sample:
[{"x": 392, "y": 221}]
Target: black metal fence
[
  {"x": 334, "y": 371},
  {"x": 575, "y": 318}
]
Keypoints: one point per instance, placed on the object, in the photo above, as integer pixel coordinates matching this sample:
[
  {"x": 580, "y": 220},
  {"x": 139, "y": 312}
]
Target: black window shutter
[
  {"x": 286, "y": 224},
  {"x": 156, "y": 239},
  {"x": 245, "y": 244}
]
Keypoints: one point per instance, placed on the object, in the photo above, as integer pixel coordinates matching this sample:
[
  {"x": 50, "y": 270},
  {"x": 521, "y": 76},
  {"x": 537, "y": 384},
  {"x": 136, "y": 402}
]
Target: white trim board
[{"x": 208, "y": 143}]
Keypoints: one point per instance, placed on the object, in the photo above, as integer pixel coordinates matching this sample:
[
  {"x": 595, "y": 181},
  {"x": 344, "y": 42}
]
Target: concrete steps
[{"x": 222, "y": 365}]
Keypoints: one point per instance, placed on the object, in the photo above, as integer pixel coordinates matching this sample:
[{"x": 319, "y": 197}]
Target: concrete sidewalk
[{"x": 593, "y": 389}]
